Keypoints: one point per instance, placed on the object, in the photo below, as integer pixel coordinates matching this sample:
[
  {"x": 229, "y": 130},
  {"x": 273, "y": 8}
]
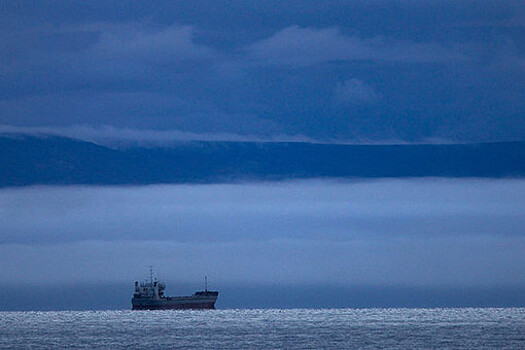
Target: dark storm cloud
[{"x": 451, "y": 71}]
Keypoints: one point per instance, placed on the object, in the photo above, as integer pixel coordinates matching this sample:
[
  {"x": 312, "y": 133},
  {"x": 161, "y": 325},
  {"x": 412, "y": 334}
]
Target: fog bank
[{"x": 432, "y": 232}]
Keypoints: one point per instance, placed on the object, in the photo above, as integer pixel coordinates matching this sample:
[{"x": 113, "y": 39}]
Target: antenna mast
[{"x": 151, "y": 274}]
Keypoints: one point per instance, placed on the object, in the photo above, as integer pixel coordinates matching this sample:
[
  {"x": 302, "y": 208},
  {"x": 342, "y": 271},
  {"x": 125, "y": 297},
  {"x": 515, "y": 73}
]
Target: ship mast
[
  {"x": 205, "y": 283},
  {"x": 151, "y": 274}
]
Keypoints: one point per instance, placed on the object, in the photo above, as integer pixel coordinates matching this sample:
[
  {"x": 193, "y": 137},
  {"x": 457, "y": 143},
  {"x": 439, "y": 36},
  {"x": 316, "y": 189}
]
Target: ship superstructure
[{"x": 149, "y": 295}]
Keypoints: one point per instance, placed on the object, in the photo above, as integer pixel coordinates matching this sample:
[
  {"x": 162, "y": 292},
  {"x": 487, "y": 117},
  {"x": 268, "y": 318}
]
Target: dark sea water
[{"x": 300, "y": 328}]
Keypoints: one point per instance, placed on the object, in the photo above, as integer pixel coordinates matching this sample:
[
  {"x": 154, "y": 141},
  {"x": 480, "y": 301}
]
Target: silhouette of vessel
[{"x": 149, "y": 295}]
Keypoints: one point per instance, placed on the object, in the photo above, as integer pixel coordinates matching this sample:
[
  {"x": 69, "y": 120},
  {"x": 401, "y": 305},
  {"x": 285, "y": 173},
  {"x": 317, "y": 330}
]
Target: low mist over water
[{"x": 433, "y": 233}]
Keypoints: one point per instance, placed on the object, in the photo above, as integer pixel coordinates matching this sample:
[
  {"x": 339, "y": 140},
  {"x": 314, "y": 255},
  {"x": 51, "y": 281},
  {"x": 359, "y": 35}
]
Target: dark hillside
[{"x": 29, "y": 160}]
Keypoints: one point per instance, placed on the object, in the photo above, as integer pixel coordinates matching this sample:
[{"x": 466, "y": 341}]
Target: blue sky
[{"x": 338, "y": 71}]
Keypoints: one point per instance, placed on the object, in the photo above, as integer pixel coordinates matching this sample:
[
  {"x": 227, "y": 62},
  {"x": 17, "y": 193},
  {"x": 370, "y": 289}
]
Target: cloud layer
[
  {"x": 441, "y": 72},
  {"x": 355, "y": 91},
  {"x": 401, "y": 232},
  {"x": 295, "y": 46}
]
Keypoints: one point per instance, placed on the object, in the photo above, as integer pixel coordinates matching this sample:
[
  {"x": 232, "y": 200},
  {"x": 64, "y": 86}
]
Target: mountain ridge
[{"x": 56, "y": 160}]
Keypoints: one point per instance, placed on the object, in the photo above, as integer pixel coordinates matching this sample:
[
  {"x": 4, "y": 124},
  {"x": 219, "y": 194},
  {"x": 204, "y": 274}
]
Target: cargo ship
[{"x": 149, "y": 295}]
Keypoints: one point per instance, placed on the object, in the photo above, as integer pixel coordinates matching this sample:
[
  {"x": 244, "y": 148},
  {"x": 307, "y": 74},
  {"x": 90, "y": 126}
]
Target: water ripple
[{"x": 300, "y": 328}]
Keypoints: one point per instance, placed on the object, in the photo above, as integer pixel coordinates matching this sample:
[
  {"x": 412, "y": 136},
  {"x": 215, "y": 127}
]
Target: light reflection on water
[{"x": 299, "y": 328}]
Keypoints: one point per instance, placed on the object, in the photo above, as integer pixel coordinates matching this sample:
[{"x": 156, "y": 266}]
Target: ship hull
[
  {"x": 187, "y": 306},
  {"x": 189, "y": 303}
]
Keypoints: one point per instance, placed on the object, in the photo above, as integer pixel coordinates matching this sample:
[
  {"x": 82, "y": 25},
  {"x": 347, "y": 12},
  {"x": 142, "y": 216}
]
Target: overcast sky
[{"x": 344, "y": 71}]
